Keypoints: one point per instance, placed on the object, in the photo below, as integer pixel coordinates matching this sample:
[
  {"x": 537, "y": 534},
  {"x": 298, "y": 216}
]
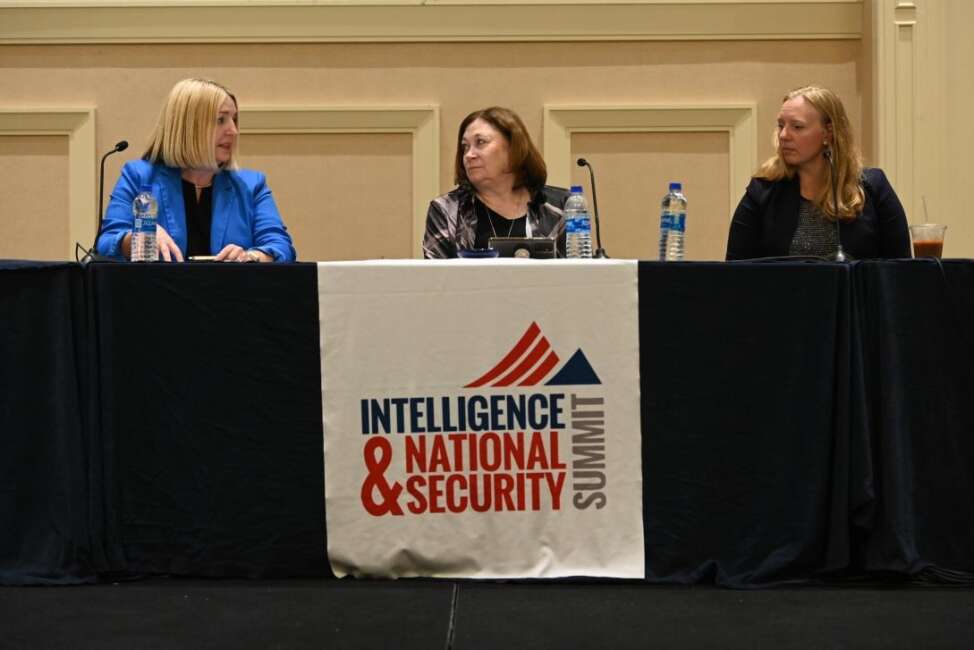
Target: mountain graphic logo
[{"x": 531, "y": 360}]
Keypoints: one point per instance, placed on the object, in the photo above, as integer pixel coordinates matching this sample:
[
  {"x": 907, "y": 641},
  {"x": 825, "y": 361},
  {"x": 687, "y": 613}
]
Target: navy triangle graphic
[{"x": 577, "y": 371}]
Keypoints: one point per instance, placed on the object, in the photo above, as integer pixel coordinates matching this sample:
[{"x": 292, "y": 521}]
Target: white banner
[{"x": 481, "y": 418}]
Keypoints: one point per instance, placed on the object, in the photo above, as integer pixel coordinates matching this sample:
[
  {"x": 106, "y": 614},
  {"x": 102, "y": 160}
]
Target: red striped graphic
[
  {"x": 526, "y": 371},
  {"x": 525, "y": 366},
  {"x": 526, "y": 340},
  {"x": 542, "y": 370}
]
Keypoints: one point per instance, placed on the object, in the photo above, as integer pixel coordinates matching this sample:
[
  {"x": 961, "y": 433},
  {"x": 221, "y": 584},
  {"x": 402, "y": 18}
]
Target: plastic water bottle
[
  {"x": 672, "y": 224},
  {"x": 144, "y": 209},
  {"x": 578, "y": 226}
]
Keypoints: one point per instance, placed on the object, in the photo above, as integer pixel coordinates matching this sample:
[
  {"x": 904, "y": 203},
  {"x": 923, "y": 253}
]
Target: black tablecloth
[
  {"x": 794, "y": 426},
  {"x": 211, "y": 407},
  {"x": 47, "y": 532},
  {"x": 918, "y": 350},
  {"x": 745, "y": 442}
]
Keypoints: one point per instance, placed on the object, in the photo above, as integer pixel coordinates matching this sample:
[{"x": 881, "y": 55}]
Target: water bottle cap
[
  {"x": 576, "y": 189},
  {"x": 676, "y": 186}
]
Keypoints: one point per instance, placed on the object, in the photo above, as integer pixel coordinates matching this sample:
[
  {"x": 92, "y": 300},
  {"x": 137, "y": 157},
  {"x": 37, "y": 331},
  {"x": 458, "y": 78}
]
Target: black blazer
[{"x": 765, "y": 221}]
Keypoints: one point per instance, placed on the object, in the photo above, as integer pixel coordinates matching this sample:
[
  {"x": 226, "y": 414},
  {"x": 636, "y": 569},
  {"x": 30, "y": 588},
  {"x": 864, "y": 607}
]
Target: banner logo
[
  {"x": 491, "y": 450},
  {"x": 533, "y": 366}
]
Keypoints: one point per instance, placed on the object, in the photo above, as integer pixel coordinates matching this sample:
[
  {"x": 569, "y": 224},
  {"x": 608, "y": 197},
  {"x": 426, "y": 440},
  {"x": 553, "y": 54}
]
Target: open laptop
[{"x": 537, "y": 247}]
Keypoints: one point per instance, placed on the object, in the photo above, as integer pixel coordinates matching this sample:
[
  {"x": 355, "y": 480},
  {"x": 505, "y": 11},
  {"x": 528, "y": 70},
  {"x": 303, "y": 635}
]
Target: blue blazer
[
  {"x": 767, "y": 216},
  {"x": 244, "y": 212}
]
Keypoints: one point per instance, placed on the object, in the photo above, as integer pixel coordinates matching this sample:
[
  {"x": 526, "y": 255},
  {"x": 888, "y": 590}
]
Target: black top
[
  {"x": 765, "y": 221},
  {"x": 199, "y": 216},
  {"x": 490, "y": 224}
]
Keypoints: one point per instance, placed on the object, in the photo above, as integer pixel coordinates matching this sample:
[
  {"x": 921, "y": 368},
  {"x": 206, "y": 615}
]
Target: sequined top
[
  {"x": 815, "y": 234},
  {"x": 451, "y": 221}
]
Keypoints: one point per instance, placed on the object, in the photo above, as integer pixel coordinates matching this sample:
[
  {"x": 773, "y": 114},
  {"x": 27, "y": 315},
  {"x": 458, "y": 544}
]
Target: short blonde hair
[
  {"x": 848, "y": 159},
  {"x": 183, "y": 136}
]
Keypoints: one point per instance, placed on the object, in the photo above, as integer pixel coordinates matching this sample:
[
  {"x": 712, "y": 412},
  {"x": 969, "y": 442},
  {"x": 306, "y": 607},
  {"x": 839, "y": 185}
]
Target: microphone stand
[
  {"x": 599, "y": 251},
  {"x": 90, "y": 255},
  {"x": 840, "y": 255}
]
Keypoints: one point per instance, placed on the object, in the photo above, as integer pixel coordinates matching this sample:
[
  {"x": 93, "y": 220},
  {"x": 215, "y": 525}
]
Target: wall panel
[{"x": 34, "y": 197}]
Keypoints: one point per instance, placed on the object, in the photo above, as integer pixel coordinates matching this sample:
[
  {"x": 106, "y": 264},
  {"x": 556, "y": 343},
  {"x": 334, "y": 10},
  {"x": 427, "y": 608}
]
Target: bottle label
[
  {"x": 678, "y": 222},
  {"x": 666, "y": 221},
  {"x": 578, "y": 225},
  {"x": 144, "y": 225}
]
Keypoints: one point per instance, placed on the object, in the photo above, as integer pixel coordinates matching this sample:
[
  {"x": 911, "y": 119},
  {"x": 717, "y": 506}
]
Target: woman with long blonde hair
[
  {"x": 788, "y": 208},
  {"x": 208, "y": 207}
]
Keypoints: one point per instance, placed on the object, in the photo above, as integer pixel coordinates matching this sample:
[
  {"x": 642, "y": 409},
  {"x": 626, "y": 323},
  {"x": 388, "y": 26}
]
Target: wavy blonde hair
[
  {"x": 848, "y": 159},
  {"x": 183, "y": 136}
]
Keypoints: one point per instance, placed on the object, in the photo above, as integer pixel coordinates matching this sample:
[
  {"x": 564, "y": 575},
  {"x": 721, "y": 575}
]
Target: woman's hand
[
  {"x": 168, "y": 250},
  {"x": 234, "y": 253}
]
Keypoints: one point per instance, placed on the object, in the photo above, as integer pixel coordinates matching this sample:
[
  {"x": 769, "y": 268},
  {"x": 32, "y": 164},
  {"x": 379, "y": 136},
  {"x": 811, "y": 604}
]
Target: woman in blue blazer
[
  {"x": 788, "y": 208},
  {"x": 207, "y": 206}
]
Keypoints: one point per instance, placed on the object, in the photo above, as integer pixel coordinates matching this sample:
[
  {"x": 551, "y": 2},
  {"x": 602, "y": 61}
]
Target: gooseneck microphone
[
  {"x": 119, "y": 146},
  {"x": 599, "y": 251},
  {"x": 840, "y": 255}
]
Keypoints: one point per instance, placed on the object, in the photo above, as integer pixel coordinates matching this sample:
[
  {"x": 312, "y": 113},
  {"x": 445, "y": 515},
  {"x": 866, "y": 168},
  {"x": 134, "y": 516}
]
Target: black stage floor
[{"x": 331, "y": 614}]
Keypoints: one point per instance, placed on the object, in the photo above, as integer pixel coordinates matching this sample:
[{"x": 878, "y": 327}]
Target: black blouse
[
  {"x": 490, "y": 224},
  {"x": 199, "y": 217}
]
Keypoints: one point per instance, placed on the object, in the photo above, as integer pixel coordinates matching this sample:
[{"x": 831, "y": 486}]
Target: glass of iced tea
[{"x": 928, "y": 239}]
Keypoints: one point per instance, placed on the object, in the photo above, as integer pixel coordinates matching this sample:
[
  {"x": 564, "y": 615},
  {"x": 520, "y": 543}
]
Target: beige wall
[
  {"x": 35, "y": 224},
  {"x": 952, "y": 117},
  {"x": 922, "y": 57},
  {"x": 75, "y": 78},
  {"x": 362, "y": 181}
]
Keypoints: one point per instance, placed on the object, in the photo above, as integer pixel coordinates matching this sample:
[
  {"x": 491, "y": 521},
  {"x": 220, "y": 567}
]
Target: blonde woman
[
  {"x": 207, "y": 205},
  {"x": 788, "y": 209}
]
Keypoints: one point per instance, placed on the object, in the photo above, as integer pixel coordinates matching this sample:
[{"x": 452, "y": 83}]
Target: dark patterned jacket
[{"x": 451, "y": 221}]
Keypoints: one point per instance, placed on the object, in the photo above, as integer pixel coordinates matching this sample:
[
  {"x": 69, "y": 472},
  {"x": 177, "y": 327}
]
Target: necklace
[{"x": 490, "y": 220}]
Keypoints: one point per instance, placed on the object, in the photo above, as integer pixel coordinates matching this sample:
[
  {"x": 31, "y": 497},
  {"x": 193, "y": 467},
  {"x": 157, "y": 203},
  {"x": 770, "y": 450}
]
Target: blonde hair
[
  {"x": 183, "y": 136},
  {"x": 848, "y": 159}
]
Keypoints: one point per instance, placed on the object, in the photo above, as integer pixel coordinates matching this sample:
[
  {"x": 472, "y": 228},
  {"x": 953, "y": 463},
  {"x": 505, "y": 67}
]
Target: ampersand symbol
[{"x": 378, "y": 455}]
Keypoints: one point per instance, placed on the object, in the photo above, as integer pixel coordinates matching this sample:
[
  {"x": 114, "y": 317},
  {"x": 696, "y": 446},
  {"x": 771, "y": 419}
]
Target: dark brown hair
[{"x": 526, "y": 162}]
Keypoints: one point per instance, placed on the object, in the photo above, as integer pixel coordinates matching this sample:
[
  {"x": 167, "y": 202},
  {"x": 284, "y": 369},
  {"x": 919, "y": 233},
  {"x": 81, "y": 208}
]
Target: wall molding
[
  {"x": 897, "y": 59},
  {"x": 737, "y": 120},
  {"x": 422, "y": 122},
  {"x": 78, "y": 124},
  {"x": 339, "y": 21}
]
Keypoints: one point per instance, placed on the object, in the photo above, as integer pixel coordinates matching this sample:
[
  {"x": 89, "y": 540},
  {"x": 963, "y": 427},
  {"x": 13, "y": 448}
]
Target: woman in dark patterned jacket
[{"x": 500, "y": 177}]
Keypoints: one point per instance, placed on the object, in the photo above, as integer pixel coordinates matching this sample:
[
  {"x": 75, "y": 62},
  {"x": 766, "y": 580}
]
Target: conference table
[{"x": 799, "y": 421}]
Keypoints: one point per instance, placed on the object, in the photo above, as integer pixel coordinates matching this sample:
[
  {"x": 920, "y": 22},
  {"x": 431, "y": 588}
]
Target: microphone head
[
  {"x": 122, "y": 146},
  {"x": 581, "y": 162}
]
